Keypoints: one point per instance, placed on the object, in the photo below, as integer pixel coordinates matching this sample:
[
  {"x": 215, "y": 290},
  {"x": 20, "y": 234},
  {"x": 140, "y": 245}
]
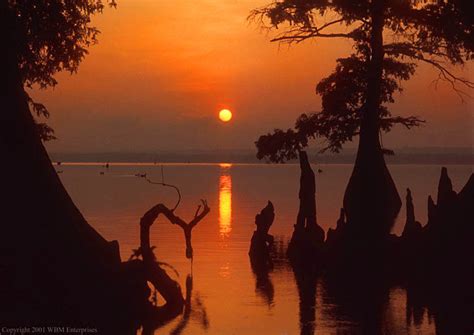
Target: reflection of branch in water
[
  {"x": 204, "y": 318},
  {"x": 188, "y": 311},
  {"x": 187, "y": 307},
  {"x": 264, "y": 285}
]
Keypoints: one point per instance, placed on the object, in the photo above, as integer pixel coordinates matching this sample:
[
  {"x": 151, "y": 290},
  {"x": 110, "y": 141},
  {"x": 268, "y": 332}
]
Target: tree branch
[
  {"x": 409, "y": 122},
  {"x": 328, "y": 24},
  {"x": 152, "y": 214},
  {"x": 300, "y": 38},
  {"x": 398, "y": 48},
  {"x": 300, "y": 34},
  {"x": 446, "y": 75},
  {"x": 416, "y": 52},
  {"x": 163, "y": 184},
  {"x": 199, "y": 216}
]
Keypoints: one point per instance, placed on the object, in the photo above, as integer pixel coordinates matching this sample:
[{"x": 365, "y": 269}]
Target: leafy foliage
[
  {"x": 430, "y": 31},
  {"x": 45, "y": 132},
  {"x": 51, "y": 36}
]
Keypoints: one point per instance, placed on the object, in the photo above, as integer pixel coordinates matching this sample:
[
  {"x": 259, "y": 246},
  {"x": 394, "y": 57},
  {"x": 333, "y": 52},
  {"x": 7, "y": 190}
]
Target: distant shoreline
[
  {"x": 390, "y": 161},
  {"x": 436, "y": 158}
]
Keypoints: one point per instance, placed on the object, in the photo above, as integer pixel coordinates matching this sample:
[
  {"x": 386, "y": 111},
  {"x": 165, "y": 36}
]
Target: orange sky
[{"x": 163, "y": 69}]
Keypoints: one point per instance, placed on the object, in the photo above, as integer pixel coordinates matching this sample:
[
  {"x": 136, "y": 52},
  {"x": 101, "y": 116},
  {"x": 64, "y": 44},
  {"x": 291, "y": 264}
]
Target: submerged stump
[
  {"x": 308, "y": 237},
  {"x": 262, "y": 241}
]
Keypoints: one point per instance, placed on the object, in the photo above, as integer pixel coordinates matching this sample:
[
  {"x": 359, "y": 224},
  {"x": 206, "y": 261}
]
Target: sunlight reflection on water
[
  {"x": 236, "y": 301},
  {"x": 225, "y": 201}
]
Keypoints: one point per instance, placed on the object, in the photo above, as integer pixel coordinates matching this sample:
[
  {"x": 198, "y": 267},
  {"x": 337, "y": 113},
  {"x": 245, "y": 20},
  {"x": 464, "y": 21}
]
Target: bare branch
[
  {"x": 152, "y": 214},
  {"x": 197, "y": 211},
  {"x": 163, "y": 184},
  {"x": 403, "y": 47},
  {"x": 328, "y": 24},
  {"x": 199, "y": 216},
  {"x": 446, "y": 75},
  {"x": 300, "y": 34},
  {"x": 298, "y": 31},
  {"x": 302, "y": 37},
  {"x": 417, "y": 53},
  {"x": 409, "y": 122},
  {"x": 147, "y": 220}
]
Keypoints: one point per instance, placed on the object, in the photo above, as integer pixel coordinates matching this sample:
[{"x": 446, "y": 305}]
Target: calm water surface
[{"x": 226, "y": 296}]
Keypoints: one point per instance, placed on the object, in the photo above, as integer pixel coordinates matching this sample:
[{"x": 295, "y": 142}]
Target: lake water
[{"x": 226, "y": 296}]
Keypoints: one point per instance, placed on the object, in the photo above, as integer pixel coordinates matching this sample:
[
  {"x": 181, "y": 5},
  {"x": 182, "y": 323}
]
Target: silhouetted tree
[
  {"x": 390, "y": 37},
  {"x": 48, "y": 37},
  {"x": 50, "y": 255}
]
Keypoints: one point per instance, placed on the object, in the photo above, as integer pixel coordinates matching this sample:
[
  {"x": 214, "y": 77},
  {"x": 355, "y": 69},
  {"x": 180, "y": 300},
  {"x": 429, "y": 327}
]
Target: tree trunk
[
  {"x": 371, "y": 200},
  {"x": 53, "y": 265}
]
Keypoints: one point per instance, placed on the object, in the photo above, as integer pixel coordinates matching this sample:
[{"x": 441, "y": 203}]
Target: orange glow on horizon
[{"x": 146, "y": 78}]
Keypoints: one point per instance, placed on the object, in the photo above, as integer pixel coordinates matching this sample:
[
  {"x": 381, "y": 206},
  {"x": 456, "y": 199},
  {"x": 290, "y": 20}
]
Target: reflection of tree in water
[
  {"x": 199, "y": 313},
  {"x": 361, "y": 300},
  {"x": 360, "y": 303},
  {"x": 306, "y": 282},
  {"x": 450, "y": 308},
  {"x": 263, "y": 283}
]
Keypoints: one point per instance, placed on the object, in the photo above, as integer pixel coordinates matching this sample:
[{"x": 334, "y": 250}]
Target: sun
[{"x": 225, "y": 115}]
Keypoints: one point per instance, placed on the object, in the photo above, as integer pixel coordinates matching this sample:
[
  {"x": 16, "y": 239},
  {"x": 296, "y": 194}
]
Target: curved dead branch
[
  {"x": 166, "y": 185},
  {"x": 152, "y": 214}
]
